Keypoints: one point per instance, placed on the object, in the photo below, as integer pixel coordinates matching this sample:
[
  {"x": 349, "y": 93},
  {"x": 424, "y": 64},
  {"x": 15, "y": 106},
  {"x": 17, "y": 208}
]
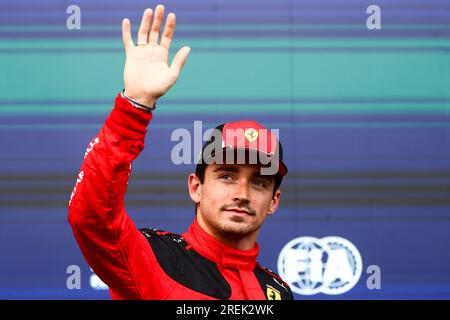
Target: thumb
[{"x": 179, "y": 60}]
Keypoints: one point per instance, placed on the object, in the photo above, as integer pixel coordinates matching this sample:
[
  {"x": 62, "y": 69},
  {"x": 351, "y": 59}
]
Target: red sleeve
[{"x": 110, "y": 242}]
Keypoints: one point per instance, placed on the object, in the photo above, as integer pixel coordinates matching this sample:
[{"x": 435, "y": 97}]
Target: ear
[
  {"x": 195, "y": 188},
  {"x": 274, "y": 202}
]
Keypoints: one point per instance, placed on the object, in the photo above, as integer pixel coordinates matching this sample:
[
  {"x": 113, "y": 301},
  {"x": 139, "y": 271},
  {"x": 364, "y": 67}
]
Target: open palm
[{"x": 147, "y": 74}]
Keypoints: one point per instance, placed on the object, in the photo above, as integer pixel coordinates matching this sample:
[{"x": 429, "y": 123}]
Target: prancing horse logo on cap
[{"x": 251, "y": 134}]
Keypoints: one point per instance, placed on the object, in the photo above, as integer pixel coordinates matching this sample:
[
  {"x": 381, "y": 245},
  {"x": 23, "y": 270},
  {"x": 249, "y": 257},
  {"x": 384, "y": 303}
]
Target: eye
[
  {"x": 259, "y": 183},
  {"x": 225, "y": 177}
]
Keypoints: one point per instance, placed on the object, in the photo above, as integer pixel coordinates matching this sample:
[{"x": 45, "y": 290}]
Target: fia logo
[{"x": 331, "y": 265}]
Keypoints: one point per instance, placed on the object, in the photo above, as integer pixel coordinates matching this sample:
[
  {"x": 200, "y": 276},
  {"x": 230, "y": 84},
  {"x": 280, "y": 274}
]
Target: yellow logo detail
[
  {"x": 251, "y": 134},
  {"x": 272, "y": 293}
]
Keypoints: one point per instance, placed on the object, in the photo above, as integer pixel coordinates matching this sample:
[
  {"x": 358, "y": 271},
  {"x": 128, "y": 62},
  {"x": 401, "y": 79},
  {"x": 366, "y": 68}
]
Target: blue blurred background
[{"x": 364, "y": 117}]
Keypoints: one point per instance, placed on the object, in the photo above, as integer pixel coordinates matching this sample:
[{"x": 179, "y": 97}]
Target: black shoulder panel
[
  {"x": 184, "y": 265},
  {"x": 272, "y": 285}
]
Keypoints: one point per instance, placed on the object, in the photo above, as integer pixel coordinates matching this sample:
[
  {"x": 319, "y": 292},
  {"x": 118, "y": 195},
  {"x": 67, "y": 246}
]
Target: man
[{"x": 216, "y": 257}]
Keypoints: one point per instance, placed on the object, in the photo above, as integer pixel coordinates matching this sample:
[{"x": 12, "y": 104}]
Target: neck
[{"x": 238, "y": 242}]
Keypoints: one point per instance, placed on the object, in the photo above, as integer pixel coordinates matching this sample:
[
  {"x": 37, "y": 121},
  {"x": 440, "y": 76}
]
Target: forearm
[
  {"x": 108, "y": 238},
  {"x": 98, "y": 196}
]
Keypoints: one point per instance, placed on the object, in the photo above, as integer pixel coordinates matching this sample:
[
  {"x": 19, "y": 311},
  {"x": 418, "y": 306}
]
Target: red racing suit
[{"x": 150, "y": 263}]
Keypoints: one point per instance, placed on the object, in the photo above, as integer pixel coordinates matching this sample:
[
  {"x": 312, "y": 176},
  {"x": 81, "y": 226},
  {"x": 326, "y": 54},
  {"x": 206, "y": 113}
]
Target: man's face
[{"x": 234, "y": 200}]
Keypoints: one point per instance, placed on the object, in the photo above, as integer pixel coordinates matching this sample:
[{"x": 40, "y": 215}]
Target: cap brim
[{"x": 282, "y": 169}]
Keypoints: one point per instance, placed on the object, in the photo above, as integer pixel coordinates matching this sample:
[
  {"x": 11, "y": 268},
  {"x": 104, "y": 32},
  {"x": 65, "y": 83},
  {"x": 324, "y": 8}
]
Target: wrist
[
  {"x": 139, "y": 98},
  {"x": 147, "y": 105},
  {"x": 127, "y": 121}
]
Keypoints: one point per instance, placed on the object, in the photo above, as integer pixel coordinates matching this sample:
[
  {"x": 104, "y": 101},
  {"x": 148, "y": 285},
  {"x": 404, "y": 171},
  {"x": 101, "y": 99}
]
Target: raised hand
[{"x": 147, "y": 75}]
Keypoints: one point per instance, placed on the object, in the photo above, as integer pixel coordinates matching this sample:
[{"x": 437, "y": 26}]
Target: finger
[
  {"x": 179, "y": 60},
  {"x": 145, "y": 27},
  {"x": 126, "y": 34},
  {"x": 154, "y": 32},
  {"x": 169, "y": 29}
]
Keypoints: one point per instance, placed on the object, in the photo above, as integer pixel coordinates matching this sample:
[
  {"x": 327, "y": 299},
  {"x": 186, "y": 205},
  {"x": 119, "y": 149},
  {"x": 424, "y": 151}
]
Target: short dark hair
[{"x": 201, "y": 169}]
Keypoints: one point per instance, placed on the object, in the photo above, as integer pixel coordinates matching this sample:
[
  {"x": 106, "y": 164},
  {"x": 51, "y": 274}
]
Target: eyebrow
[{"x": 227, "y": 169}]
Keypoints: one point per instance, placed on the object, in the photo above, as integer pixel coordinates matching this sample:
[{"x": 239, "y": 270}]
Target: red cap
[{"x": 246, "y": 135}]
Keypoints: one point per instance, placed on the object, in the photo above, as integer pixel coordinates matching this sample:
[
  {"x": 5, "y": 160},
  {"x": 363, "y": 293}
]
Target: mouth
[{"x": 239, "y": 212}]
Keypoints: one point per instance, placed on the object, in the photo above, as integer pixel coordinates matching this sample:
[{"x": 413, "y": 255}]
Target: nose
[{"x": 241, "y": 192}]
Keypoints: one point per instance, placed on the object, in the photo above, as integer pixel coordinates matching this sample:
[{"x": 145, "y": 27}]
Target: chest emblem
[{"x": 272, "y": 293}]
